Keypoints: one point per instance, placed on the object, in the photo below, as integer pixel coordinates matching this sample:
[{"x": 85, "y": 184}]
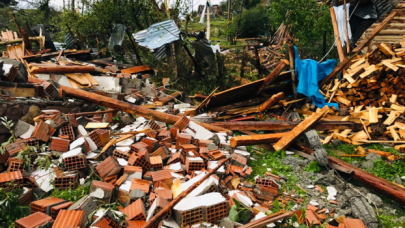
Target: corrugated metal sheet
[
  {"x": 70, "y": 44},
  {"x": 392, "y": 32},
  {"x": 69, "y": 218},
  {"x": 158, "y": 34}
]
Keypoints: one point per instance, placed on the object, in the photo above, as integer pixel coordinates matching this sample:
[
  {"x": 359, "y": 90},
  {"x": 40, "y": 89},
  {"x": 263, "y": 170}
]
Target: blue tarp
[{"x": 310, "y": 72}]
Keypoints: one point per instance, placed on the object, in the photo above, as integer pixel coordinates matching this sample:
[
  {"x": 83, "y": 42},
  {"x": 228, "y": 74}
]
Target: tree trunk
[{"x": 73, "y": 5}]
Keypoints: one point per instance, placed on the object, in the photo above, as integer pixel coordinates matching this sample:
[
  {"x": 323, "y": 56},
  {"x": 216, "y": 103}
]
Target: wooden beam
[
  {"x": 125, "y": 107},
  {"x": 380, "y": 185},
  {"x": 38, "y": 69},
  {"x": 162, "y": 213},
  {"x": 283, "y": 63},
  {"x": 270, "y": 102},
  {"x": 256, "y": 139},
  {"x": 286, "y": 125},
  {"x": 73, "y": 37},
  {"x": 364, "y": 44},
  {"x": 136, "y": 69},
  {"x": 342, "y": 56},
  {"x": 291, "y": 53},
  {"x": 170, "y": 97},
  {"x": 284, "y": 142},
  {"x": 268, "y": 219}
]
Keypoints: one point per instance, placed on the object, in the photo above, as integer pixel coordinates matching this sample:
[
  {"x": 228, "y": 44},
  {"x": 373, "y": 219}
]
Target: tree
[
  {"x": 255, "y": 21},
  {"x": 307, "y": 22}
]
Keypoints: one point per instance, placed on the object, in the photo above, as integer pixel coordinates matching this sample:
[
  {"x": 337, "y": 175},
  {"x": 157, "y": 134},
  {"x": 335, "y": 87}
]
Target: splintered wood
[{"x": 372, "y": 92}]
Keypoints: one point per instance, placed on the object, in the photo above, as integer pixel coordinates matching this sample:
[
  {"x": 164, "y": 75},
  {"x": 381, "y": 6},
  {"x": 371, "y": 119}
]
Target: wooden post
[
  {"x": 337, "y": 36},
  {"x": 138, "y": 58},
  {"x": 347, "y": 32},
  {"x": 291, "y": 52},
  {"x": 71, "y": 33},
  {"x": 343, "y": 64},
  {"x": 125, "y": 106},
  {"x": 208, "y": 21},
  {"x": 283, "y": 63}
]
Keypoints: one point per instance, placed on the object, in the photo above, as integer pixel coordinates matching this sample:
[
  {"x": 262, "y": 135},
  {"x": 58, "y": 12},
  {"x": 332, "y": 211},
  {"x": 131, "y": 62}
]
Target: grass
[{"x": 383, "y": 169}]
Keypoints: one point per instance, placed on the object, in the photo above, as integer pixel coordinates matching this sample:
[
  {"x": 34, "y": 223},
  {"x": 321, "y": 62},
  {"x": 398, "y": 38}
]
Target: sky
[{"x": 59, "y": 3}]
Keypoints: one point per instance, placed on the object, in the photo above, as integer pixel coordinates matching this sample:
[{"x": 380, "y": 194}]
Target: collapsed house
[{"x": 167, "y": 164}]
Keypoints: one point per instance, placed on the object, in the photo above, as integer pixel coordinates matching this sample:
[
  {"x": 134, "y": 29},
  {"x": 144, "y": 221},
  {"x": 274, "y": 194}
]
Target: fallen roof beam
[
  {"x": 125, "y": 107},
  {"x": 286, "y": 125},
  {"x": 365, "y": 43},
  {"x": 380, "y": 185},
  {"x": 267, "y": 81},
  {"x": 162, "y": 213},
  {"x": 247, "y": 140},
  {"x": 284, "y": 142}
]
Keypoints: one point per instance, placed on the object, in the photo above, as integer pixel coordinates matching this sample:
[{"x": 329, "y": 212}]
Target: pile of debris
[{"x": 144, "y": 161}]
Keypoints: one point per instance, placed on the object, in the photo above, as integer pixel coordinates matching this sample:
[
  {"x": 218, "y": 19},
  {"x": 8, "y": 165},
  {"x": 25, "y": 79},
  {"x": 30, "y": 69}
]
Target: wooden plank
[
  {"x": 339, "y": 47},
  {"x": 136, "y": 69},
  {"x": 61, "y": 69},
  {"x": 284, "y": 142},
  {"x": 79, "y": 78},
  {"x": 256, "y": 139},
  {"x": 91, "y": 79}
]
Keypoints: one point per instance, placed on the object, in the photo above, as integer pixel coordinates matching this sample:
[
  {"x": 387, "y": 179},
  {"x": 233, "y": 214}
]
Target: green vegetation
[
  {"x": 11, "y": 208},
  {"x": 71, "y": 194},
  {"x": 313, "y": 167},
  {"x": 387, "y": 170}
]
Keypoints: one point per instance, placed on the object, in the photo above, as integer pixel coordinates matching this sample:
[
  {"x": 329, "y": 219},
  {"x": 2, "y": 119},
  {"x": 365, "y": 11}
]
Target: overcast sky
[{"x": 59, "y": 3}]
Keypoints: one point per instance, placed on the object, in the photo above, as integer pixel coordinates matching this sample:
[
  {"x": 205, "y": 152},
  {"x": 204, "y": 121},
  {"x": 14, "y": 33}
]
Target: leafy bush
[
  {"x": 255, "y": 21},
  {"x": 307, "y": 22}
]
